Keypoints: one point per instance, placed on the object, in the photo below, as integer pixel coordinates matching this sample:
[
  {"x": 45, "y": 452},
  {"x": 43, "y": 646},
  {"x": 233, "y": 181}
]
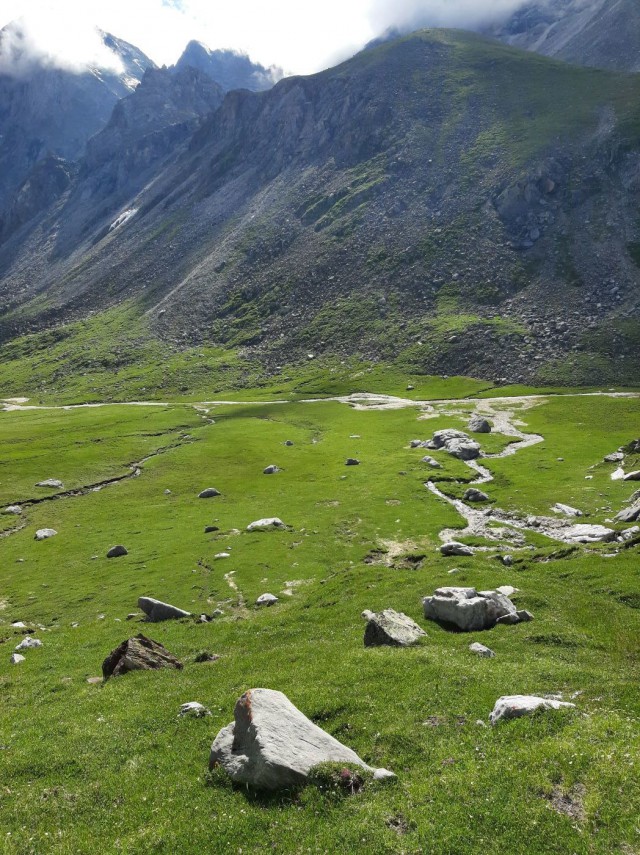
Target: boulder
[
  {"x": 455, "y": 548},
  {"x": 16, "y": 510},
  {"x": 194, "y": 710},
  {"x": 138, "y": 654},
  {"x": 481, "y": 650},
  {"x": 630, "y": 514},
  {"x": 266, "y": 600},
  {"x": 157, "y": 611},
  {"x": 17, "y": 658},
  {"x": 478, "y": 424},
  {"x": 467, "y": 609},
  {"x": 117, "y": 551},
  {"x": 208, "y": 529},
  {"x": 618, "y": 475},
  {"x": 474, "y": 495},
  {"x": 351, "y": 461},
  {"x": 515, "y": 706},
  {"x": 615, "y": 457},
  {"x": 442, "y": 437},
  {"x": 567, "y": 510},
  {"x": 589, "y": 533},
  {"x": 632, "y": 476},
  {"x": 288, "y": 443},
  {"x": 270, "y": 470},
  {"x": 44, "y": 533},
  {"x": 51, "y": 483},
  {"x": 431, "y": 461},
  {"x": 266, "y": 524},
  {"x": 271, "y": 745},
  {"x": 391, "y": 628},
  {"x": 28, "y": 643},
  {"x": 415, "y": 443},
  {"x": 463, "y": 449},
  {"x": 209, "y": 493}
]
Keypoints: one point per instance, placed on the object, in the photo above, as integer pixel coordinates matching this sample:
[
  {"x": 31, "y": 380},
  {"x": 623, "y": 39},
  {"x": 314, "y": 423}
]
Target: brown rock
[{"x": 138, "y": 654}]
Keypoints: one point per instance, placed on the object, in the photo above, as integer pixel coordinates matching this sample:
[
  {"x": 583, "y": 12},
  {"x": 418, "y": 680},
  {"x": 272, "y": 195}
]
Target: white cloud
[{"x": 299, "y": 35}]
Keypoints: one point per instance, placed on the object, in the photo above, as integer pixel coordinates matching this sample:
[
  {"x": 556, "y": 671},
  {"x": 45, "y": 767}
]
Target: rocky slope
[
  {"x": 51, "y": 112},
  {"x": 441, "y": 198},
  {"x": 598, "y": 33}
]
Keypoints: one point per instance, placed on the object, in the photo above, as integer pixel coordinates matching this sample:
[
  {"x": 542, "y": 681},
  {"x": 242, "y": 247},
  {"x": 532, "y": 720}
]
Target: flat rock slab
[
  {"x": 266, "y": 600},
  {"x": 516, "y": 706},
  {"x": 567, "y": 510},
  {"x": 469, "y": 610},
  {"x": 117, "y": 551},
  {"x": 138, "y": 654},
  {"x": 481, "y": 650},
  {"x": 51, "y": 483},
  {"x": 209, "y": 493},
  {"x": 16, "y": 510},
  {"x": 271, "y": 745},
  {"x": 583, "y": 533},
  {"x": 45, "y": 533},
  {"x": 266, "y": 524},
  {"x": 632, "y": 476},
  {"x": 156, "y": 610},
  {"x": 455, "y": 548},
  {"x": 391, "y": 628}
]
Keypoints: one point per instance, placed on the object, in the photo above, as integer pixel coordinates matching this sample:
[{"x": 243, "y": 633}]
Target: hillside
[{"x": 441, "y": 199}]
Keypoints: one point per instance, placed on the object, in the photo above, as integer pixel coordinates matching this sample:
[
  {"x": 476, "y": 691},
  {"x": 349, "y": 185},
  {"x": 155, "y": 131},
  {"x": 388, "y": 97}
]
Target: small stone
[
  {"x": 133, "y": 615},
  {"x": 474, "y": 495},
  {"x": 618, "y": 475},
  {"x": 209, "y": 529},
  {"x": 633, "y": 476},
  {"x": 216, "y": 613},
  {"x": 194, "y": 710},
  {"x": 220, "y": 555},
  {"x": 514, "y": 706},
  {"x": 432, "y": 462},
  {"x": 93, "y": 681},
  {"x": 524, "y": 616},
  {"x": 52, "y": 483},
  {"x": 478, "y": 424},
  {"x": 117, "y": 551},
  {"x": 270, "y": 470},
  {"x": 507, "y": 560},
  {"x": 19, "y": 624},
  {"x": 455, "y": 548},
  {"x": 16, "y": 510},
  {"x": 507, "y": 590},
  {"x": 266, "y": 600},
  {"x": 383, "y": 775},
  {"x": 204, "y": 656},
  {"x": 266, "y": 524},
  {"x": 209, "y": 493},
  {"x": 16, "y": 658},
  {"x": 481, "y": 650},
  {"x": 415, "y": 443},
  {"x": 288, "y": 443},
  {"x": 352, "y": 461},
  {"x": 45, "y": 533},
  {"x": 28, "y": 643},
  {"x": 567, "y": 510},
  {"x": 167, "y": 492},
  {"x": 138, "y": 654},
  {"x": 615, "y": 457}
]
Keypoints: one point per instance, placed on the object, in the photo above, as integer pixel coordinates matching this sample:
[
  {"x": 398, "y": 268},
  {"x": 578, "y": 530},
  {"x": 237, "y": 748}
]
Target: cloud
[
  {"x": 407, "y": 15},
  {"x": 51, "y": 41}
]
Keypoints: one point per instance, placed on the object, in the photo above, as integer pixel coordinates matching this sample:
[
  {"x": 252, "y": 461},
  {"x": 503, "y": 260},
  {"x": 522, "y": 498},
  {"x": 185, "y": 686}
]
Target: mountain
[
  {"x": 442, "y": 199},
  {"x": 230, "y": 69},
  {"x": 51, "y": 112},
  {"x": 598, "y": 33}
]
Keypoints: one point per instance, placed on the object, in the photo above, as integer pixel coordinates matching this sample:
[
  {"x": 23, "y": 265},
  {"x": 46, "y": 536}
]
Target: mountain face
[
  {"x": 598, "y": 33},
  {"x": 230, "y": 69},
  {"x": 50, "y": 112},
  {"x": 442, "y": 196}
]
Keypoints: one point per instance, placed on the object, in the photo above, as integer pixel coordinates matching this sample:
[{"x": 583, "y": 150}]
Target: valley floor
[{"x": 110, "y": 765}]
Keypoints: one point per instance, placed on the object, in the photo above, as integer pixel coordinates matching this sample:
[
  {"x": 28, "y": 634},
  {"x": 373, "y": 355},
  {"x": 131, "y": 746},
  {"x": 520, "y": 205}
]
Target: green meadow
[{"x": 110, "y": 767}]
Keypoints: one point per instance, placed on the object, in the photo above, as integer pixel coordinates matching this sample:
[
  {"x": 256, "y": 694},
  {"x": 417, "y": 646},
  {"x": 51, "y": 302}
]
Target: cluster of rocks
[
  {"x": 470, "y": 610},
  {"x": 455, "y": 442}
]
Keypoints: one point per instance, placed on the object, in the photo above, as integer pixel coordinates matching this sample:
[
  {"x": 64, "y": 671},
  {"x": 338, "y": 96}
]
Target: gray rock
[
  {"x": 481, "y": 650},
  {"x": 157, "y": 611},
  {"x": 138, "y": 654},
  {"x": 209, "y": 493},
  {"x": 507, "y": 560},
  {"x": 467, "y": 609},
  {"x": 51, "y": 483},
  {"x": 17, "y": 658},
  {"x": 524, "y": 616},
  {"x": 351, "y": 461},
  {"x": 44, "y": 533},
  {"x": 117, "y": 551},
  {"x": 415, "y": 443},
  {"x": 478, "y": 424},
  {"x": 194, "y": 710},
  {"x": 567, "y": 510},
  {"x": 208, "y": 529},
  {"x": 266, "y": 524},
  {"x": 28, "y": 643},
  {"x": 515, "y": 706},
  {"x": 455, "y": 548},
  {"x": 220, "y": 555},
  {"x": 507, "y": 590},
  {"x": 270, "y": 470},
  {"x": 266, "y": 600},
  {"x": 288, "y": 443},
  {"x": 583, "y": 533},
  {"x": 463, "y": 449},
  {"x": 431, "y": 461},
  {"x": 13, "y": 509},
  {"x": 632, "y": 476},
  {"x": 271, "y": 745},
  {"x": 630, "y": 514},
  {"x": 474, "y": 495},
  {"x": 391, "y": 628},
  {"x": 615, "y": 457},
  {"x": 442, "y": 437}
]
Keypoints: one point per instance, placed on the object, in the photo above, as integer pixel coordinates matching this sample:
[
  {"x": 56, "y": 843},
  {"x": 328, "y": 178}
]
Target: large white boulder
[
  {"x": 455, "y": 548},
  {"x": 266, "y": 524},
  {"x": 271, "y": 745},
  {"x": 392, "y": 628},
  {"x": 469, "y": 610},
  {"x": 584, "y": 533},
  {"x": 45, "y": 533},
  {"x": 515, "y": 706}
]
